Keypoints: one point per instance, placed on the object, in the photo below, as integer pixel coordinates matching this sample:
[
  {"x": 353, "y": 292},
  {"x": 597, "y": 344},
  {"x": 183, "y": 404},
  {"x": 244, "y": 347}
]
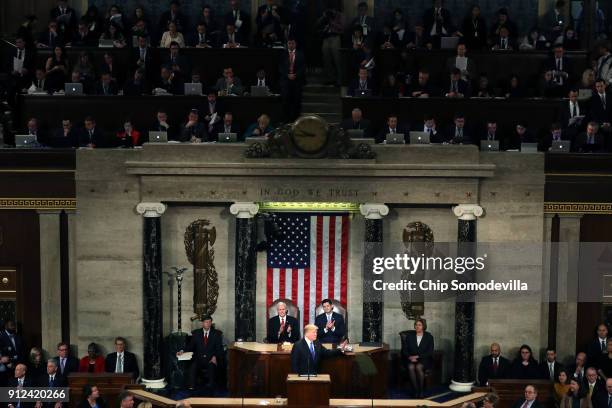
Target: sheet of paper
[{"x": 185, "y": 356}]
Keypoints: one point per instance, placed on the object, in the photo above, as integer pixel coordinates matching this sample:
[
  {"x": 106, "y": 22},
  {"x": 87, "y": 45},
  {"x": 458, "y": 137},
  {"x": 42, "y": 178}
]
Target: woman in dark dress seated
[
  {"x": 37, "y": 365},
  {"x": 57, "y": 69},
  {"x": 417, "y": 351},
  {"x": 92, "y": 362},
  {"x": 91, "y": 398},
  {"x": 524, "y": 367}
]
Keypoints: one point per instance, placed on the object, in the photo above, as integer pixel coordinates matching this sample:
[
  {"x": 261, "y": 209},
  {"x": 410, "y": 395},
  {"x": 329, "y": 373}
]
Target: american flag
[{"x": 308, "y": 260}]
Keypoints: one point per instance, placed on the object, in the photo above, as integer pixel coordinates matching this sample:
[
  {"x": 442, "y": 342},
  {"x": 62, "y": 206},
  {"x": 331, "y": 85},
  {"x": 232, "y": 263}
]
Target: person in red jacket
[{"x": 92, "y": 362}]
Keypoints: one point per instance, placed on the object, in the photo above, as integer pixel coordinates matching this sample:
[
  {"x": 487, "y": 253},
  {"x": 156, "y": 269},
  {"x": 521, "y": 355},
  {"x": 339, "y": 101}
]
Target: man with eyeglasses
[
  {"x": 66, "y": 363},
  {"x": 530, "y": 400}
]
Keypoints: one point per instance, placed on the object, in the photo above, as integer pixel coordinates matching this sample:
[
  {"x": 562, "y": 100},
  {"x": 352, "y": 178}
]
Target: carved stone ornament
[
  {"x": 418, "y": 239},
  {"x": 309, "y": 137},
  {"x": 199, "y": 241}
]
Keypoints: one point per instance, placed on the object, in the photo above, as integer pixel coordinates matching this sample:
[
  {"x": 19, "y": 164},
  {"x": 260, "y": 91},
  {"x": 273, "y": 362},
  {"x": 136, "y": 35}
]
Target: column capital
[
  {"x": 468, "y": 212},
  {"x": 151, "y": 210},
  {"x": 372, "y": 211},
  {"x": 244, "y": 209}
]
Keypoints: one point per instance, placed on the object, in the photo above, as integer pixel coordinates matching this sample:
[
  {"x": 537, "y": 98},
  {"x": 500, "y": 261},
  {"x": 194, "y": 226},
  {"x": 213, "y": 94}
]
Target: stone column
[
  {"x": 372, "y": 300},
  {"x": 463, "y": 374},
  {"x": 50, "y": 282},
  {"x": 152, "y": 293},
  {"x": 245, "y": 286}
]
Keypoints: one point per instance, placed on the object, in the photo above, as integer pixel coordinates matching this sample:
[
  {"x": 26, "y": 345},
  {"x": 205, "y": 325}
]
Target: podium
[{"x": 308, "y": 392}]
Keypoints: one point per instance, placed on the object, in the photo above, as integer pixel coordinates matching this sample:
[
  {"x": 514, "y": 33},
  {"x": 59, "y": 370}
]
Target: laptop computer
[
  {"x": 395, "y": 138},
  {"x": 227, "y": 137},
  {"x": 363, "y": 92},
  {"x": 193, "y": 88},
  {"x": 529, "y": 147},
  {"x": 489, "y": 145},
  {"x": 354, "y": 133},
  {"x": 73, "y": 88},
  {"x": 259, "y": 90},
  {"x": 364, "y": 140},
  {"x": 106, "y": 43},
  {"x": 561, "y": 146},
  {"x": 25, "y": 140},
  {"x": 419, "y": 138},
  {"x": 158, "y": 137},
  {"x": 449, "y": 43}
]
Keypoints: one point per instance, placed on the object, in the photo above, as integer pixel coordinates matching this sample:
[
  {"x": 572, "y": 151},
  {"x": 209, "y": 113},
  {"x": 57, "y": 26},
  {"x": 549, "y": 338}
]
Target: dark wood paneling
[{"x": 21, "y": 248}]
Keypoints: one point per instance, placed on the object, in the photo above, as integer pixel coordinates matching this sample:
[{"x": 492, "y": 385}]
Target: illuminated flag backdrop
[{"x": 308, "y": 260}]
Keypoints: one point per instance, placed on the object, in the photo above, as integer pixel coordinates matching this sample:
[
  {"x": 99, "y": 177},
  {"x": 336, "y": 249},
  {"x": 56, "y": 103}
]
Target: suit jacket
[
  {"x": 600, "y": 400},
  {"x": 463, "y": 87},
  {"x": 59, "y": 381},
  {"x": 598, "y": 388},
  {"x": 45, "y": 39},
  {"x": 66, "y": 25},
  {"x": 519, "y": 371},
  {"x": 565, "y": 113},
  {"x": 204, "y": 352},
  {"x": 84, "y": 40},
  {"x": 545, "y": 372},
  {"x": 369, "y": 21},
  {"x": 98, "y": 139},
  {"x": 598, "y": 113},
  {"x": 382, "y": 134},
  {"x": 274, "y": 328},
  {"x": 174, "y": 87},
  {"x": 568, "y": 402},
  {"x": 236, "y": 88},
  {"x": 130, "y": 364},
  {"x": 475, "y": 37},
  {"x": 171, "y": 131},
  {"x": 424, "y": 350},
  {"x": 511, "y": 44},
  {"x": 112, "y": 88},
  {"x": 244, "y": 17},
  {"x": 486, "y": 372},
  {"x": 331, "y": 336},
  {"x": 566, "y": 66},
  {"x": 452, "y": 131},
  {"x": 364, "y": 125},
  {"x": 16, "y": 352},
  {"x": 436, "y": 136},
  {"x": 70, "y": 366},
  {"x": 198, "y": 130},
  {"x": 301, "y": 358},
  {"x": 354, "y": 87},
  {"x": 182, "y": 62},
  {"x": 515, "y": 140},
  {"x": 131, "y": 88},
  {"x": 28, "y": 60},
  {"x": 582, "y": 146},
  {"x": 194, "y": 40},
  {"x": 149, "y": 63},
  {"x": 604, "y": 68},
  {"x": 27, "y": 382},
  {"x": 470, "y": 68},
  {"x": 520, "y": 402},
  {"x": 219, "y": 127},
  {"x": 429, "y": 19},
  {"x": 594, "y": 347},
  {"x": 299, "y": 67},
  {"x": 224, "y": 39}
]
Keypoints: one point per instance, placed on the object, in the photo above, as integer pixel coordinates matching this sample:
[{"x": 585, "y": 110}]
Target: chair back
[{"x": 337, "y": 307}]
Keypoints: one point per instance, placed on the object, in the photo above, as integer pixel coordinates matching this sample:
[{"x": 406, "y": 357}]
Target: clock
[{"x": 310, "y": 135}]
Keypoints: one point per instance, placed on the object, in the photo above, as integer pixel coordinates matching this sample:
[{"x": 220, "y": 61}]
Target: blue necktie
[{"x": 312, "y": 351}]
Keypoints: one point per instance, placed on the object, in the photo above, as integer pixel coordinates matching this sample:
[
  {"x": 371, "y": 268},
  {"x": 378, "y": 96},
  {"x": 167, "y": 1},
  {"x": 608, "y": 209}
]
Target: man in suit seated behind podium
[
  {"x": 330, "y": 324},
  {"x": 121, "y": 361},
  {"x": 207, "y": 348},
  {"x": 308, "y": 352},
  {"x": 283, "y": 327}
]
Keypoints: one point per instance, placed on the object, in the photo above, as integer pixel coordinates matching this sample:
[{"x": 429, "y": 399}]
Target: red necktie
[
  {"x": 206, "y": 339},
  {"x": 282, "y": 328},
  {"x": 494, "y": 365},
  {"x": 291, "y": 62}
]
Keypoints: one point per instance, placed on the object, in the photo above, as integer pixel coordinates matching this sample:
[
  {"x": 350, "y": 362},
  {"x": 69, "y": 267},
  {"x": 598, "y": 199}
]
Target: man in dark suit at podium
[
  {"x": 121, "y": 361},
  {"x": 330, "y": 324},
  {"x": 492, "y": 366},
  {"x": 206, "y": 345},
  {"x": 308, "y": 352},
  {"x": 283, "y": 327}
]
